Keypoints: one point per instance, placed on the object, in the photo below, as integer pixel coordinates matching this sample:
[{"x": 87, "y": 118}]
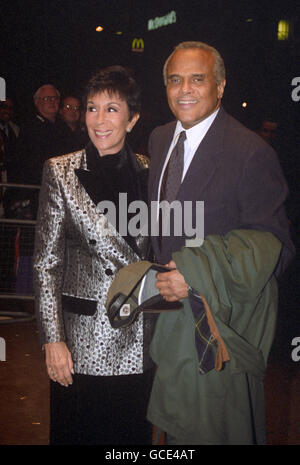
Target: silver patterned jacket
[{"x": 74, "y": 265}]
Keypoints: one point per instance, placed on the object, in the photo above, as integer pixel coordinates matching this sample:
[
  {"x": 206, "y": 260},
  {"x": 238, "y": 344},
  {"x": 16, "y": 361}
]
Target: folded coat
[{"x": 234, "y": 273}]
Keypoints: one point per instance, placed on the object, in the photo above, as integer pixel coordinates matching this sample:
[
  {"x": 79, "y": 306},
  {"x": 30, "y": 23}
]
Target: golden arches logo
[{"x": 137, "y": 45}]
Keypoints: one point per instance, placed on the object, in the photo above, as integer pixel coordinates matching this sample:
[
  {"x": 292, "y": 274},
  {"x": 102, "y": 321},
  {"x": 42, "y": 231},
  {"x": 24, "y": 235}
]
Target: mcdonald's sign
[{"x": 137, "y": 45}]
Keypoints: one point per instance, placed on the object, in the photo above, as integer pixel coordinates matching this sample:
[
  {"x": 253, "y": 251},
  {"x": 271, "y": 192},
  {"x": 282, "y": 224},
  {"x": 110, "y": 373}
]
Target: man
[
  {"x": 70, "y": 112},
  {"x": 268, "y": 131},
  {"x": 42, "y": 136},
  {"x": 211, "y": 356},
  {"x": 46, "y": 100},
  {"x": 9, "y": 132}
]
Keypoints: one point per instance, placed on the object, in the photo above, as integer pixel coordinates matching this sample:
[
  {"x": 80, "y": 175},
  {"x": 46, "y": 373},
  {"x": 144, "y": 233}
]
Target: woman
[{"x": 100, "y": 377}]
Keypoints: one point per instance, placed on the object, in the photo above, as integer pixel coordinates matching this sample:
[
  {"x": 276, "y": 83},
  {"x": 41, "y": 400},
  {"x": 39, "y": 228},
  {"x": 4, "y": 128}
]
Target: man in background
[
  {"x": 70, "y": 113},
  {"x": 43, "y": 135},
  {"x": 9, "y": 132}
]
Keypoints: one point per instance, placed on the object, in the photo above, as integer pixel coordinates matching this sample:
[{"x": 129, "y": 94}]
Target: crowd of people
[
  {"x": 196, "y": 373},
  {"x": 54, "y": 128}
]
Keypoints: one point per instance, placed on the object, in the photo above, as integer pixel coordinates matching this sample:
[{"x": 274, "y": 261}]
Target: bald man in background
[{"x": 43, "y": 135}]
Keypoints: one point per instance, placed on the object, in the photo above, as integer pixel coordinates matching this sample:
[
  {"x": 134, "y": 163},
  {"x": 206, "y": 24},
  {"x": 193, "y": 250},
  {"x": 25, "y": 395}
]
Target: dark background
[{"x": 54, "y": 41}]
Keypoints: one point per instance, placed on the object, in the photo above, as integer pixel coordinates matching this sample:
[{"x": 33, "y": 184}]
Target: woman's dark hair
[{"x": 116, "y": 80}]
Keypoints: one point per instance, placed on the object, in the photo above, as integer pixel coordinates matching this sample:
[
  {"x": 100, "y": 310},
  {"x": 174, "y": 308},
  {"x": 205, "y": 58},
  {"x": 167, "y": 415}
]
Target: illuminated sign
[
  {"x": 155, "y": 23},
  {"x": 137, "y": 45},
  {"x": 283, "y": 31}
]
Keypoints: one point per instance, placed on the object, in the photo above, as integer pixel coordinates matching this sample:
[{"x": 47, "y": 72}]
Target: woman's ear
[{"x": 132, "y": 122}]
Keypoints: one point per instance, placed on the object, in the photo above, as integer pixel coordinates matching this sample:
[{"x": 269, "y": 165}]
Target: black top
[{"x": 108, "y": 176}]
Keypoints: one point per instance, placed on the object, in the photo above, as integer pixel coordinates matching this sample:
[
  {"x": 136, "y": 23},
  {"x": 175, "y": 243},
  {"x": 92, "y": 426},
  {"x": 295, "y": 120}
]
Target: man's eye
[
  {"x": 197, "y": 79},
  {"x": 174, "y": 80},
  {"x": 111, "y": 109},
  {"x": 91, "y": 108}
]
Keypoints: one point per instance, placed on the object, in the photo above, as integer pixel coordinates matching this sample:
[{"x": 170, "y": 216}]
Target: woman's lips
[{"x": 102, "y": 134}]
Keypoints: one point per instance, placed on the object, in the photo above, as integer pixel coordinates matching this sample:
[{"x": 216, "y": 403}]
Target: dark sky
[{"x": 55, "y": 41}]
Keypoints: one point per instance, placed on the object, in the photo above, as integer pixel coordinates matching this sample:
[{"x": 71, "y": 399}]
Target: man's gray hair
[
  {"x": 219, "y": 68},
  {"x": 37, "y": 93}
]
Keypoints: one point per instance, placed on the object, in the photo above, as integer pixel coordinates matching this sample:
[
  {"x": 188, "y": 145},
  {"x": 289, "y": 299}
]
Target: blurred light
[
  {"x": 244, "y": 104},
  {"x": 119, "y": 33},
  {"x": 249, "y": 20},
  {"x": 283, "y": 30},
  {"x": 99, "y": 28}
]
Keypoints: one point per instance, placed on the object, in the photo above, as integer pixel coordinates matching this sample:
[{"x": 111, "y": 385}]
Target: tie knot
[{"x": 182, "y": 137}]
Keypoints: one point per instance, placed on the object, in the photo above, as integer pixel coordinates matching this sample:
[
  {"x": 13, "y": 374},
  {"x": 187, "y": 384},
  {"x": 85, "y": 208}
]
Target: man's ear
[{"x": 221, "y": 87}]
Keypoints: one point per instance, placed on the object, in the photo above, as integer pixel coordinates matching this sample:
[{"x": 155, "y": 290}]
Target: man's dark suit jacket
[{"x": 236, "y": 174}]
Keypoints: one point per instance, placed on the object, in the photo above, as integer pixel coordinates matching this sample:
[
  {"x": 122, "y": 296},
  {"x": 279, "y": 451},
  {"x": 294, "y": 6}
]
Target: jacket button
[{"x": 108, "y": 272}]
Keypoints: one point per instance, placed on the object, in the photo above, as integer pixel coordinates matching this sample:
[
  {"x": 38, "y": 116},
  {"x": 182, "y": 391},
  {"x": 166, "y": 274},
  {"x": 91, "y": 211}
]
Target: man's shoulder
[
  {"x": 237, "y": 135},
  {"x": 34, "y": 125},
  {"x": 163, "y": 130}
]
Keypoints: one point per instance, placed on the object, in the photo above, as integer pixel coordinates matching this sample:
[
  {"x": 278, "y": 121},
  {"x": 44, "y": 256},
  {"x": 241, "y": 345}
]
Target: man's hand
[
  {"x": 59, "y": 363},
  {"x": 171, "y": 284}
]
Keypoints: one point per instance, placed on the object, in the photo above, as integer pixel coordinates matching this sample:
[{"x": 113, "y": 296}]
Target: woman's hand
[
  {"x": 59, "y": 363},
  {"x": 171, "y": 284}
]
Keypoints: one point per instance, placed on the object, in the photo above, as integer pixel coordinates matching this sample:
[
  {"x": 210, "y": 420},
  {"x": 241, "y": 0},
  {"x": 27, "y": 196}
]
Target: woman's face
[{"x": 107, "y": 121}]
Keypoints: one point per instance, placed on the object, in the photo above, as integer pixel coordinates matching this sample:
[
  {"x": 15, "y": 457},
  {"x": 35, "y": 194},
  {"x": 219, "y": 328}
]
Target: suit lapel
[
  {"x": 205, "y": 161},
  {"x": 89, "y": 182},
  {"x": 163, "y": 151},
  {"x": 85, "y": 189},
  {"x": 202, "y": 168}
]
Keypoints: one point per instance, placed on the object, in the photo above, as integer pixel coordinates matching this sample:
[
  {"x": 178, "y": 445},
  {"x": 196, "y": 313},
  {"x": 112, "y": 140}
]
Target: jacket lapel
[
  {"x": 205, "y": 161},
  {"x": 202, "y": 168},
  {"x": 88, "y": 181},
  {"x": 91, "y": 189},
  {"x": 162, "y": 150}
]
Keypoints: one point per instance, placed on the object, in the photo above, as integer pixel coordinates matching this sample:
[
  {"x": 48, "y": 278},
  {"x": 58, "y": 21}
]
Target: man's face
[
  {"x": 6, "y": 110},
  {"x": 192, "y": 91},
  {"x": 70, "y": 111},
  {"x": 47, "y": 103},
  {"x": 268, "y": 131}
]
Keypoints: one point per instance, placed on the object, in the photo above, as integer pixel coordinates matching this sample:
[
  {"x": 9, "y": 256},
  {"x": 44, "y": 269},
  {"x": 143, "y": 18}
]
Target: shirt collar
[{"x": 196, "y": 133}]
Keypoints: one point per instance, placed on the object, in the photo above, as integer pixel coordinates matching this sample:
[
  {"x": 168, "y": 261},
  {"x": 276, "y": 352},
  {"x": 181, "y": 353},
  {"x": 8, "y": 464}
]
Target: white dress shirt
[{"x": 194, "y": 137}]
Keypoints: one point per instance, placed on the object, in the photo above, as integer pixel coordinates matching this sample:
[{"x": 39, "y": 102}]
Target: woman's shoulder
[
  {"x": 73, "y": 158},
  {"x": 143, "y": 160}
]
